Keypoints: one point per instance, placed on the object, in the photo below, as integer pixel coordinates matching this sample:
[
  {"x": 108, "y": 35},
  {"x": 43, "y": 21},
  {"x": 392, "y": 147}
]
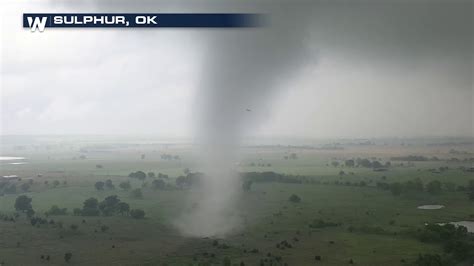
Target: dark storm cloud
[
  {"x": 402, "y": 33},
  {"x": 427, "y": 43}
]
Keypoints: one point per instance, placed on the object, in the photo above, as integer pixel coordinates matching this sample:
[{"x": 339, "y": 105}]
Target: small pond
[
  {"x": 10, "y": 158},
  {"x": 430, "y": 207}
]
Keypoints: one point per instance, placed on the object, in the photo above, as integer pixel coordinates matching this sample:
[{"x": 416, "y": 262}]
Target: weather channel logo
[{"x": 39, "y": 22}]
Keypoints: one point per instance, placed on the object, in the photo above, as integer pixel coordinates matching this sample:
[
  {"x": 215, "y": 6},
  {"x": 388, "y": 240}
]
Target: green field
[{"x": 372, "y": 226}]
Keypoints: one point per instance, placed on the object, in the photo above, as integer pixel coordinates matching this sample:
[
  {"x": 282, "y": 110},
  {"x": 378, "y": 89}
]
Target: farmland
[{"x": 346, "y": 214}]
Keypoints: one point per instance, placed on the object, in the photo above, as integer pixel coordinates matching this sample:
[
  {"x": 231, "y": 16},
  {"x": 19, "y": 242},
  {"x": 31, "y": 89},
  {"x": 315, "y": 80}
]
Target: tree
[
  {"x": 470, "y": 189},
  {"x": 158, "y": 184},
  {"x": 151, "y": 175},
  {"x": 449, "y": 186},
  {"x": 376, "y": 164},
  {"x": 137, "y": 213},
  {"x": 109, "y": 184},
  {"x": 55, "y": 210},
  {"x": 160, "y": 175},
  {"x": 23, "y": 203},
  {"x": 90, "y": 207},
  {"x": 460, "y": 249},
  {"x": 123, "y": 208},
  {"x": 430, "y": 260},
  {"x": 471, "y": 195},
  {"x": 125, "y": 185},
  {"x": 413, "y": 186},
  {"x": 99, "y": 166},
  {"x": 137, "y": 193},
  {"x": 77, "y": 212},
  {"x": 99, "y": 185},
  {"x": 56, "y": 183},
  {"x": 25, "y": 187},
  {"x": 140, "y": 175},
  {"x": 335, "y": 163},
  {"x": 470, "y": 186},
  {"x": 10, "y": 189},
  {"x": 433, "y": 187},
  {"x": 364, "y": 163},
  {"x": 30, "y": 213},
  {"x": 67, "y": 256},
  {"x": 33, "y": 221},
  {"x": 396, "y": 188},
  {"x": 181, "y": 181},
  {"x": 91, "y": 203},
  {"x": 349, "y": 163},
  {"x": 109, "y": 205}
]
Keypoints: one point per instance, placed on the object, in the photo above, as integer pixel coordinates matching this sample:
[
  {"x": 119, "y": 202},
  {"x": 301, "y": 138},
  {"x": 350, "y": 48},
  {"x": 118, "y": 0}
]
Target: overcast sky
[{"x": 369, "y": 70}]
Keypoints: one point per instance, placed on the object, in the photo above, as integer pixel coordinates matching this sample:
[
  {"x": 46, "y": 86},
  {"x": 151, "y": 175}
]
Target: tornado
[{"x": 243, "y": 70}]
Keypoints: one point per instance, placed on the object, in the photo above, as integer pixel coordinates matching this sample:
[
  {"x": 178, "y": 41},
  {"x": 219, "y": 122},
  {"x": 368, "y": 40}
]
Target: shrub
[
  {"x": 431, "y": 260},
  {"x": 99, "y": 185},
  {"x": 137, "y": 213},
  {"x": 55, "y": 210},
  {"x": 246, "y": 186},
  {"x": 294, "y": 198},
  {"x": 434, "y": 187},
  {"x": 318, "y": 223},
  {"x": 67, "y": 257}
]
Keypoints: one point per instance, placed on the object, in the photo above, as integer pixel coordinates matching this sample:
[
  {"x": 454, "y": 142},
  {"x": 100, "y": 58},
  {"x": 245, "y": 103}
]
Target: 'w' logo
[{"x": 37, "y": 23}]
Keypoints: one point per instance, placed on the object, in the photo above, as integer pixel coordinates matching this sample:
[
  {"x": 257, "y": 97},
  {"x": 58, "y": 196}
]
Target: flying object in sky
[{"x": 248, "y": 110}]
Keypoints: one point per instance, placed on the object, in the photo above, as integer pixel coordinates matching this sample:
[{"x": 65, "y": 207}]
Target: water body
[
  {"x": 468, "y": 224},
  {"x": 430, "y": 207},
  {"x": 10, "y": 158}
]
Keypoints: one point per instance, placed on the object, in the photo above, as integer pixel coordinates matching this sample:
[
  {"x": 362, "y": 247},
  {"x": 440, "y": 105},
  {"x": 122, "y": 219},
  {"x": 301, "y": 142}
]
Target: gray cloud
[{"x": 419, "y": 53}]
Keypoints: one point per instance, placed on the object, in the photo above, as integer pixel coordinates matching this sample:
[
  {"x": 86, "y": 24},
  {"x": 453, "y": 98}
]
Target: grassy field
[{"x": 268, "y": 217}]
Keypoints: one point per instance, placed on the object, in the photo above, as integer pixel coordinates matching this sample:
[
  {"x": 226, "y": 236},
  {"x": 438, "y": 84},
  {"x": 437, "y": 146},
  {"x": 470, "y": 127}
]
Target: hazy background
[{"x": 370, "y": 70}]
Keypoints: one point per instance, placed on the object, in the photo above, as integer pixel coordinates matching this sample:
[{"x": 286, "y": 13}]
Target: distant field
[{"x": 267, "y": 216}]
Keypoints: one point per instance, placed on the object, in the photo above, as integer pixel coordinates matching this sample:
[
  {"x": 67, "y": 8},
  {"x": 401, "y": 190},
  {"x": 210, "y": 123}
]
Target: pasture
[{"x": 344, "y": 217}]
